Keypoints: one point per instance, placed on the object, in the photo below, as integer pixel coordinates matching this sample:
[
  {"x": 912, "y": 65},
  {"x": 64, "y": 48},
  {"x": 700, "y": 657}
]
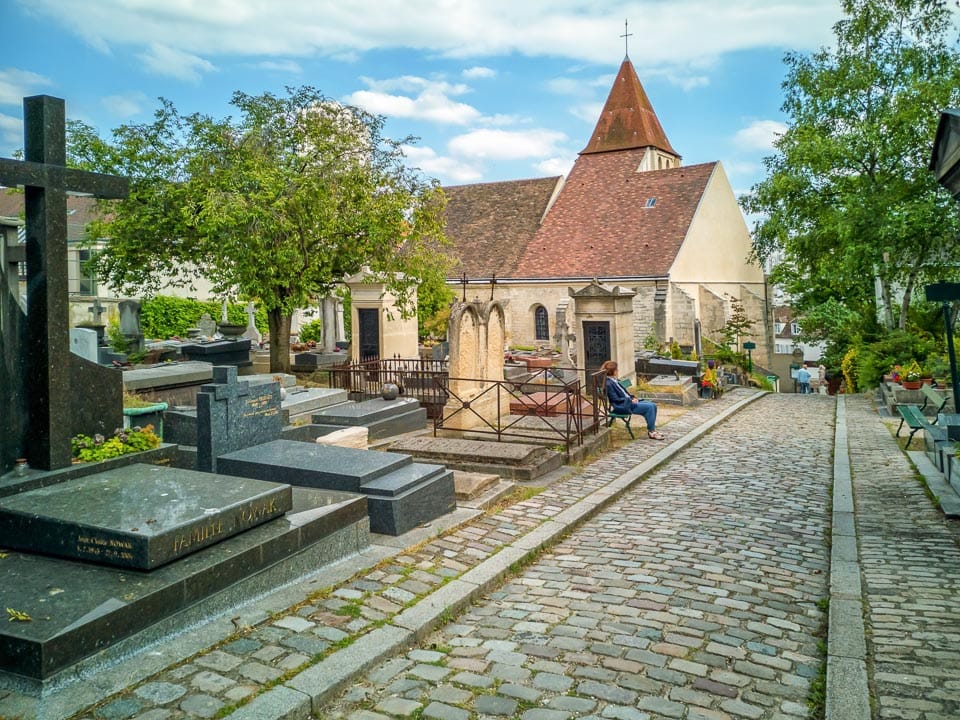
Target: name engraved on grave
[
  {"x": 256, "y": 511},
  {"x": 104, "y": 548},
  {"x": 261, "y": 406},
  {"x": 199, "y": 534}
]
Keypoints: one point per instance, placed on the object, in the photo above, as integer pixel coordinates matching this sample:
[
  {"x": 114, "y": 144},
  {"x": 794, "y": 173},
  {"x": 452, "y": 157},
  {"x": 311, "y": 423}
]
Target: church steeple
[{"x": 628, "y": 120}]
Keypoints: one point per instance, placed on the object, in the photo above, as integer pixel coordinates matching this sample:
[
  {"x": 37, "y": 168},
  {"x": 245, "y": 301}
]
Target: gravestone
[
  {"x": 207, "y": 325},
  {"x": 232, "y": 415},
  {"x": 477, "y": 336},
  {"x": 130, "y": 324},
  {"x": 251, "y": 333},
  {"x": 42, "y": 384},
  {"x": 83, "y": 342}
]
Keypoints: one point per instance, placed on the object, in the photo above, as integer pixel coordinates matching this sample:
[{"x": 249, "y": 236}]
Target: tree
[
  {"x": 849, "y": 204},
  {"x": 278, "y": 206}
]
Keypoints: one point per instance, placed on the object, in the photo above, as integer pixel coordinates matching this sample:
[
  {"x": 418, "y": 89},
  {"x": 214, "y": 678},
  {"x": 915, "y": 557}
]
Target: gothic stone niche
[{"x": 477, "y": 336}]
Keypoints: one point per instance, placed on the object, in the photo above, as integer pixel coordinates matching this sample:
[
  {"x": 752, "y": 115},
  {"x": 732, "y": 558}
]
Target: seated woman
[
  {"x": 623, "y": 402},
  {"x": 709, "y": 380}
]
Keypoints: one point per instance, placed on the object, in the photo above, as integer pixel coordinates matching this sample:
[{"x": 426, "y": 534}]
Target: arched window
[{"x": 541, "y": 323}]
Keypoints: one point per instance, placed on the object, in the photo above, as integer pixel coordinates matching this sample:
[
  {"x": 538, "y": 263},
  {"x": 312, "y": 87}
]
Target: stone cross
[
  {"x": 97, "y": 310},
  {"x": 46, "y": 181}
]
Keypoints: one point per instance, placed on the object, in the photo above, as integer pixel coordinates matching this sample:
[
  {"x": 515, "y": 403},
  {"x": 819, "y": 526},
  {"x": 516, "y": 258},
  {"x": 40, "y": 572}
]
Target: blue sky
[{"x": 493, "y": 89}]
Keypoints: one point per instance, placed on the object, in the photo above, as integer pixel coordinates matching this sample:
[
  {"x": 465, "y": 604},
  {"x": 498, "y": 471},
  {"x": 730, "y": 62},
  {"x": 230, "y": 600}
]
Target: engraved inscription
[
  {"x": 261, "y": 406},
  {"x": 257, "y": 511},
  {"x": 196, "y": 535},
  {"x": 106, "y": 548}
]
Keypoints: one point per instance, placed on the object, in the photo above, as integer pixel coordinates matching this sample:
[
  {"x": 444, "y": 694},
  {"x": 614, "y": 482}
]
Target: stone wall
[
  {"x": 684, "y": 314},
  {"x": 648, "y": 315},
  {"x": 713, "y": 313}
]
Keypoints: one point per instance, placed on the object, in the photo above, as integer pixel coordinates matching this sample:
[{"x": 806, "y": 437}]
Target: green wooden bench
[
  {"x": 914, "y": 415},
  {"x": 608, "y": 412}
]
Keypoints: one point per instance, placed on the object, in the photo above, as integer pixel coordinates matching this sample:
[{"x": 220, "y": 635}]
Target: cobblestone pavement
[
  {"x": 910, "y": 563},
  {"x": 695, "y": 595},
  {"x": 274, "y": 648}
]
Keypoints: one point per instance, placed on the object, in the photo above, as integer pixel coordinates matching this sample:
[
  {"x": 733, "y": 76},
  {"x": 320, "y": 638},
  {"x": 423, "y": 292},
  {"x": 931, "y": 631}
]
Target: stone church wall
[
  {"x": 755, "y": 306},
  {"x": 684, "y": 310},
  {"x": 645, "y": 315},
  {"x": 713, "y": 313}
]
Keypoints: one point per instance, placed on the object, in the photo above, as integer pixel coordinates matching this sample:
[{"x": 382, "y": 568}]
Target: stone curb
[
  {"x": 322, "y": 682},
  {"x": 847, "y": 691}
]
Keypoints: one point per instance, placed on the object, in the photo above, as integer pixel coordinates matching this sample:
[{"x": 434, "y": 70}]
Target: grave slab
[
  {"x": 168, "y": 375},
  {"x": 139, "y": 516},
  {"x": 401, "y": 494},
  {"x": 80, "y": 608},
  {"x": 383, "y": 418},
  {"x": 220, "y": 352}
]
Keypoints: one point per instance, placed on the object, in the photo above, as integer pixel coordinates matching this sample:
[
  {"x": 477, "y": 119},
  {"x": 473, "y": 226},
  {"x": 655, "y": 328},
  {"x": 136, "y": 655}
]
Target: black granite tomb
[
  {"x": 140, "y": 516},
  {"x": 79, "y": 608},
  {"x": 220, "y": 352},
  {"x": 382, "y": 418},
  {"x": 232, "y": 415},
  {"x": 401, "y": 494}
]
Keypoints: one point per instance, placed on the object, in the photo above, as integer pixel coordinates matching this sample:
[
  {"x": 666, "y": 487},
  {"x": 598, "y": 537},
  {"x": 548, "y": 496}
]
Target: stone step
[
  {"x": 303, "y": 402},
  {"x": 382, "y": 418},
  {"x": 518, "y": 461}
]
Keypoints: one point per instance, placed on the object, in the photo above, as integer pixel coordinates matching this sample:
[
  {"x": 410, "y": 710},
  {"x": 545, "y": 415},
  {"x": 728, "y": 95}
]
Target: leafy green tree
[
  {"x": 278, "y": 205},
  {"x": 849, "y": 204}
]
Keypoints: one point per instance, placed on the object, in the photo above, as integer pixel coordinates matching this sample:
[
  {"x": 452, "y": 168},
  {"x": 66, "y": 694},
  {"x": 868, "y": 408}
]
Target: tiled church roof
[
  {"x": 491, "y": 223},
  {"x": 628, "y": 120},
  {"x": 601, "y": 224}
]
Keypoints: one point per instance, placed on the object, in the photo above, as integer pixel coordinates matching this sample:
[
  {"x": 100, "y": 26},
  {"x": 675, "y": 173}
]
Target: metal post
[{"x": 953, "y": 356}]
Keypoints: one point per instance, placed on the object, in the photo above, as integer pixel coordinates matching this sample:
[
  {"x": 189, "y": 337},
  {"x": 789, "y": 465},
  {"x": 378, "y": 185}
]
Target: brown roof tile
[
  {"x": 600, "y": 225},
  {"x": 80, "y": 211},
  {"x": 628, "y": 120},
  {"x": 490, "y": 224}
]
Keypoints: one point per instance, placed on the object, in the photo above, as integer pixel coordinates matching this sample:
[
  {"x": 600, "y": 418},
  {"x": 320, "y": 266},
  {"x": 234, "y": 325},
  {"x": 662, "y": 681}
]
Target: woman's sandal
[{"x": 654, "y": 435}]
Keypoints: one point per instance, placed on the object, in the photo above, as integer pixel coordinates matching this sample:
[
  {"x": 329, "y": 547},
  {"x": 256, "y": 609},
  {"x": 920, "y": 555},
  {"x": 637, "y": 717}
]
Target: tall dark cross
[
  {"x": 626, "y": 38},
  {"x": 46, "y": 182}
]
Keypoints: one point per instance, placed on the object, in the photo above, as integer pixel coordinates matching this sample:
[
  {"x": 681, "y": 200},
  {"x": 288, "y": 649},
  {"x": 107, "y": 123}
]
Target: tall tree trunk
[
  {"x": 905, "y": 303},
  {"x": 886, "y": 303},
  {"x": 279, "y": 341}
]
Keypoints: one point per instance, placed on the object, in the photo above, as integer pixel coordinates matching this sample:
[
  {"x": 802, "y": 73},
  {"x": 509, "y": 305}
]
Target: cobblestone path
[
  {"x": 910, "y": 562},
  {"x": 694, "y": 596},
  {"x": 276, "y": 646}
]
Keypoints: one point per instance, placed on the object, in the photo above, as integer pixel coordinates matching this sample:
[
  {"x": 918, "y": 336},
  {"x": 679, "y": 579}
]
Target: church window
[
  {"x": 651, "y": 202},
  {"x": 541, "y": 323}
]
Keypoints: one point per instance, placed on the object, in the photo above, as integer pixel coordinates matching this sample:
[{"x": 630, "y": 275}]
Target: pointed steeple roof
[{"x": 628, "y": 120}]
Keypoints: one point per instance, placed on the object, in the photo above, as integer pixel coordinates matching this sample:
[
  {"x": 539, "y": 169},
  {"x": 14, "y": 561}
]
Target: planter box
[{"x": 143, "y": 416}]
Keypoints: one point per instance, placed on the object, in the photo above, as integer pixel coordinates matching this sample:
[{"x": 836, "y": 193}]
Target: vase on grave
[
  {"x": 231, "y": 330},
  {"x": 148, "y": 414}
]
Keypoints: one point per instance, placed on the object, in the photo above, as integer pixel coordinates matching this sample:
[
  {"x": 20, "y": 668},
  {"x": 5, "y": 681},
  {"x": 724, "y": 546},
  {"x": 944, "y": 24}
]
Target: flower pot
[
  {"x": 911, "y": 384},
  {"x": 230, "y": 330}
]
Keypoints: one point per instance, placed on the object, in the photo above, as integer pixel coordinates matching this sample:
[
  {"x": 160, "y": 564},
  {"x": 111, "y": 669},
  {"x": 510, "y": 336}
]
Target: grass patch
[{"x": 517, "y": 495}]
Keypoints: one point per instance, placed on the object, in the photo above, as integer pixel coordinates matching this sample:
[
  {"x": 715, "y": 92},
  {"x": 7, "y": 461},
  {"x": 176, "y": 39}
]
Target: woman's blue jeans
[{"x": 648, "y": 410}]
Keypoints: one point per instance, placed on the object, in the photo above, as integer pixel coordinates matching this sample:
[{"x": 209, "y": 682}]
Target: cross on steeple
[{"x": 626, "y": 38}]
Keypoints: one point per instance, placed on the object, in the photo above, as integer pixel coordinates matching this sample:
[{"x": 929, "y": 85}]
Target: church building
[{"x": 629, "y": 216}]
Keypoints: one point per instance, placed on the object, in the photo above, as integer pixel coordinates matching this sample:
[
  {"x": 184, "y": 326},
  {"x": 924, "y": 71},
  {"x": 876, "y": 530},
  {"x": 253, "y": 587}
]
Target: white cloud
[
  {"x": 432, "y": 164},
  {"x": 11, "y": 133},
  {"x": 555, "y": 165},
  {"x": 15, "y": 84},
  {"x": 588, "y": 112},
  {"x": 506, "y": 145},
  {"x": 281, "y": 66},
  {"x": 479, "y": 72},
  {"x": 430, "y": 100},
  {"x": 126, "y": 105},
  {"x": 686, "y": 30},
  {"x": 165, "y": 60},
  {"x": 759, "y": 135}
]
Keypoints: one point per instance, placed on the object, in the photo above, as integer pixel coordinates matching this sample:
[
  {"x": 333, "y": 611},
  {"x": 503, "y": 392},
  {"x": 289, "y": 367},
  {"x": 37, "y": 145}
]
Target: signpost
[{"x": 749, "y": 347}]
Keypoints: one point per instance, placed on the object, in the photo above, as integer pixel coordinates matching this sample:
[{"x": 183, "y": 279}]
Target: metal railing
[
  {"x": 541, "y": 407},
  {"x": 414, "y": 377}
]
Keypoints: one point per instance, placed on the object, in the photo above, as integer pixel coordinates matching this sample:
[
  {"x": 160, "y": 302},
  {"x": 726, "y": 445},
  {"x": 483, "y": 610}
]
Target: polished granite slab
[
  {"x": 139, "y": 516},
  {"x": 79, "y": 608}
]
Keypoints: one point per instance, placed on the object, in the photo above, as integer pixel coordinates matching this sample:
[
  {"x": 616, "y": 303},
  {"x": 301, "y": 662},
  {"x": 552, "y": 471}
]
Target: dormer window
[{"x": 651, "y": 202}]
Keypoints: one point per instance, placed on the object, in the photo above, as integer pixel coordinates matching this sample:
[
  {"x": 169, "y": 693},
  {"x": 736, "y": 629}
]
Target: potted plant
[{"x": 911, "y": 378}]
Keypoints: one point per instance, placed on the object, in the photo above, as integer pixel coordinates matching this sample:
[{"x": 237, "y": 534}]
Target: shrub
[
  {"x": 124, "y": 441},
  {"x": 311, "y": 331}
]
